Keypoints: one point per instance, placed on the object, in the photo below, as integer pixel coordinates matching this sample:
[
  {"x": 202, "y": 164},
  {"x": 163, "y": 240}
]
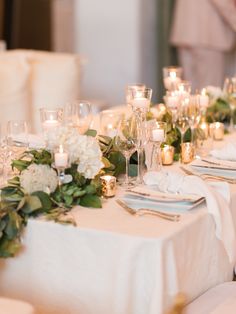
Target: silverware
[
  {"x": 163, "y": 198},
  {"x": 145, "y": 211},
  {"x": 208, "y": 176},
  {"x": 225, "y": 167}
]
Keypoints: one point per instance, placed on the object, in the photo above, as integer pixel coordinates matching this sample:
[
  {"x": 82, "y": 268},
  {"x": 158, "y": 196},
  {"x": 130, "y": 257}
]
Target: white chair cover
[
  {"x": 218, "y": 300},
  {"x": 10, "y": 306},
  {"x": 31, "y": 79}
]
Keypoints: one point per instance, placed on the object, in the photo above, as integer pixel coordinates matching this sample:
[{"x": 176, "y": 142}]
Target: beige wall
[{"x": 1, "y": 19}]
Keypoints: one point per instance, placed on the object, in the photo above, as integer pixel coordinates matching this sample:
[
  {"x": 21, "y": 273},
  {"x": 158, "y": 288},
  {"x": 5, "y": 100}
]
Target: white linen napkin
[
  {"x": 228, "y": 152},
  {"x": 217, "y": 199}
]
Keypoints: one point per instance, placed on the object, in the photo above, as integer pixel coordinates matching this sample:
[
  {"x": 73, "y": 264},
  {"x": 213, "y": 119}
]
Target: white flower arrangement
[
  {"x": 215, "y": 93},
  {"x": 83, "y": 150},
  {"x": 38, "y": 178}
]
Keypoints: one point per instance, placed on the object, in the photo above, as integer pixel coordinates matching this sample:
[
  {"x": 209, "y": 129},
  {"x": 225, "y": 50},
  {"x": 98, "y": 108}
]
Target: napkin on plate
[
  {"x": 228, "y": 152},
  {"x": 217, "y": 196}
]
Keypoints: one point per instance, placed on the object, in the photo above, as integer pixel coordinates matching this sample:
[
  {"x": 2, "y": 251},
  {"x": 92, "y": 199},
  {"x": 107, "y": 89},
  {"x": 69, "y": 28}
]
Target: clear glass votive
[
  {"x": 51, "y": 119},
  {"x": 109, "y": 122},
  {"x": 171, "y": 77}
]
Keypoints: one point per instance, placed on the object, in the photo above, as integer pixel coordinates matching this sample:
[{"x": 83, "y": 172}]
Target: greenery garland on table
[{"x": 24, "y": 196}]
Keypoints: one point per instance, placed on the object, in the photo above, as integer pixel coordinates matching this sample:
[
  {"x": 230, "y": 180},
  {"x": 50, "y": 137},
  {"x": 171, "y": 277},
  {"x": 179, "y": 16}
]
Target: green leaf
[
  {"x": 90, "y": 189},
  {"x": 91, "y": 132},
  {"x": 32, "y": 203},
  {"x": 12, "y": 198},
  {"x": 13, "y": 226},
  {"x": 44, "y": 199},
  {"x": 106, "y": 163},
  {"x": 89, "y": 200},
  {"x": 14, "y": 181},
  {"x": 68, "y": 200},
  {"x": 20, "y": 164},
  {"x": 8, "y": 248},
  {"x": 79, "y": 193}
]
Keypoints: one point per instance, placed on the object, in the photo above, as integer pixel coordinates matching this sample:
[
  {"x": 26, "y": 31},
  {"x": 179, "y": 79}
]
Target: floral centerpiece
[{"x": 35, "y": 189}]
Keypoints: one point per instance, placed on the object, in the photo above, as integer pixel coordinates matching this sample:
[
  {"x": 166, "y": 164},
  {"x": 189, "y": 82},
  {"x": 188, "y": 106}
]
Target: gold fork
[
  {"x": 208, "y": 176},
  {"x": 145, "y": 211}
]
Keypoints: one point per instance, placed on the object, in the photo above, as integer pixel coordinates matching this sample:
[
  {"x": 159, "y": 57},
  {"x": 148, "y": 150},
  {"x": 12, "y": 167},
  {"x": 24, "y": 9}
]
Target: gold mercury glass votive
[
  {"x": 187, "y": 152},
  {"x": 217, "y": 131},
  {"x": 205, "y": 129},
  {"x": 108, "y": 185},
  {"x": 167, "y": 154}
]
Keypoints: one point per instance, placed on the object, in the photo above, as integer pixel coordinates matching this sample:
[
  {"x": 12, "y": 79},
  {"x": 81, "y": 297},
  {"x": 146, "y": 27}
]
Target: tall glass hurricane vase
[{"x": 140, "y": 102}]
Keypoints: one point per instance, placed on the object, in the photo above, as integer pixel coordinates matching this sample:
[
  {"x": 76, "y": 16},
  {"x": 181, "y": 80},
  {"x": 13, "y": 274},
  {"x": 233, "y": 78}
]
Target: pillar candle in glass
[{"x": 171, "y": 77}]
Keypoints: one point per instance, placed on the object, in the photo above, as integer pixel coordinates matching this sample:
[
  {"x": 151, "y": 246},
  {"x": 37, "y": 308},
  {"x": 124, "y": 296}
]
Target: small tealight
[
  {"x": 187, "y": 152},
  {"x": 61, "y": 158},
  {"x": 167, "y": 154},
  {"x": 217, "y": 131},
  {"x": 108, "y": 185}
]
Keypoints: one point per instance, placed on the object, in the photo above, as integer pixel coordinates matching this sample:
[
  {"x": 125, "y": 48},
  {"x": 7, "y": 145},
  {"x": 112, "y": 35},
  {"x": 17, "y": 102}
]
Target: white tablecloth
[{"x": 116, "y": 263}]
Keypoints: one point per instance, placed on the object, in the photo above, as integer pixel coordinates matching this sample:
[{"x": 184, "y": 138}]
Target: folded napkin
[
  {"x": 217, "y": 196},
  {"x": 228, "y": 152},
  {"x": 34, "y": 141}
]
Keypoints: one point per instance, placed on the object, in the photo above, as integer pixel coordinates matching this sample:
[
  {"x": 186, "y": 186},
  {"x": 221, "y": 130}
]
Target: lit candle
[
  {"x": 203, "y": 99},
  {"x": 50, "y": 124},
  {"x": 110, "y": 131},
  {"x": 141, "y": 103},
  {"x": 61, "y": 158},
  {"x": 217, "y": 130},
  {"x": 172, "y": 101},
  {"x": 108, "y": 185},
  {"x": 158, "y": 135},
  {"x": 171, "y": 81},
  {"x": 167, "y": 154},
  {"x": 205, "y": 128}
]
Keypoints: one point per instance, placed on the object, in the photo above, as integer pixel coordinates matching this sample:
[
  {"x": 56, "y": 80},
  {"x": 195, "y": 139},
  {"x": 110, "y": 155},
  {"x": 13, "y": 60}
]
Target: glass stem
[{"x": 126, "y": 170}]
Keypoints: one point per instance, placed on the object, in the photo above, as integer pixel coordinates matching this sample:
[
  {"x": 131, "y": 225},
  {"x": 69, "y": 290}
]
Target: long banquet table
[{"x": 115, "y": 263}]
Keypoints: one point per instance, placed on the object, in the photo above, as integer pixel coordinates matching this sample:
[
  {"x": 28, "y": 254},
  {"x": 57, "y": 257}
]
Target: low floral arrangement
[
  {"x": 35, "y": 191},
  {"x": 219, "y": 108}
]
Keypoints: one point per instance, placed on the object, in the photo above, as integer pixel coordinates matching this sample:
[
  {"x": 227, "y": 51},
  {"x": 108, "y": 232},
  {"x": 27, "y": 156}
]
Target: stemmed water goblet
[
  {"x": 17, "y": 138},
  {"x": 125, "y": 141},
  {"x": 182, "y": 122},
  {"x": 230, "y": 90},
  {"x": 78, "y": 114}
]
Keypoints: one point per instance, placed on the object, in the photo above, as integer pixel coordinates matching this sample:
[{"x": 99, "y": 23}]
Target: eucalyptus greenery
[{"x": 16, "y": 206}]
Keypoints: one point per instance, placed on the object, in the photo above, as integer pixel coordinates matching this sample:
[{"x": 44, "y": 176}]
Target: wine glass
[
  {"x": 230, "y": 90},
  {"x": 171, "y": 77},
  {"x": 78, "y": 115},
  {"x": 17, "y": 138},
  {"x": 125, "y": 142},
  {"x": 192, "y": 112},
  {"x": 182, "y": 122},
  {"x": 109, "y": 122}
]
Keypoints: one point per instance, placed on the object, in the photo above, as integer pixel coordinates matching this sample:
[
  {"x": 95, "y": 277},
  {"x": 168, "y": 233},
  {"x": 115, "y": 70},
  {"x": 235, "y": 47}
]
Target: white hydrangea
[
  {"x": 38, "y": 178},
  {"x": 215, "y": 92},
  {"x": 83, "y": 150}
]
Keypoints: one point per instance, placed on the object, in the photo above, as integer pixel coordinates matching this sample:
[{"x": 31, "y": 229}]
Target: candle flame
[
  {"x": 61, "y": 149},
  {"x": 51, "y": 117},
  {"x": 173, "y": 75}
]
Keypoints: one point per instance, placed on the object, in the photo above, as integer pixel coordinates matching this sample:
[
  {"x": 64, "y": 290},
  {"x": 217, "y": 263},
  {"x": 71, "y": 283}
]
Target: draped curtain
[{"x": 166, "y": 55}]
